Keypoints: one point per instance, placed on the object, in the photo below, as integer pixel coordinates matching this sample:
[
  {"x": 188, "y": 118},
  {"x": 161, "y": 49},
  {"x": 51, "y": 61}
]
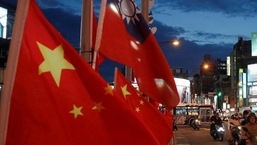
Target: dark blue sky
[{"x": 203, "y": 27}]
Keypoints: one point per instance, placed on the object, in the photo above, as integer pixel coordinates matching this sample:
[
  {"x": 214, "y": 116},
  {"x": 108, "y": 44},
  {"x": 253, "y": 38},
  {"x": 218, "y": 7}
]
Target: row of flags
[{"x": 52, "y": 96}]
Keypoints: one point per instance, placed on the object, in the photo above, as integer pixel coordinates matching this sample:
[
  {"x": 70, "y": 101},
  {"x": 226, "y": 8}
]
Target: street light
[
  {"x": 203, "y": 70},
  {"x": 205, "y": 66},
  {"x": 175, "y": 42},
  {"x": 172, "y": 42}
]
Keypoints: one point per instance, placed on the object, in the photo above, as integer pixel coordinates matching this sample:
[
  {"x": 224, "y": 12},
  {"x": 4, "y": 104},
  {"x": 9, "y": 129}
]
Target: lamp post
[
  {"x": 172, "y": 41},
  {"x": 203, "y": 72}
]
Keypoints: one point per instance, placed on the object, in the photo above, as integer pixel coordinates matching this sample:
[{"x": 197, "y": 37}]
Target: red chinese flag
[
  {"x": 125, "y": 37},
  {"x": 58, "y": 99},
  {"x": 150, "y": 116}
]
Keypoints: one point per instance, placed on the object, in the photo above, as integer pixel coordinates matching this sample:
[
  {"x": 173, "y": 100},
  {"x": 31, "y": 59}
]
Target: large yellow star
[
  {"x": 76, "y": 111},
  {"x": 54, "y": 62},
  {"x": 125, "y": 92}
]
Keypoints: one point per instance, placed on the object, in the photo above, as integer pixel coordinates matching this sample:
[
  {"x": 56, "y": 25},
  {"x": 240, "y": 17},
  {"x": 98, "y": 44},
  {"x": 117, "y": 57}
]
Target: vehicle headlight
[{"x": 221, "y": 129}]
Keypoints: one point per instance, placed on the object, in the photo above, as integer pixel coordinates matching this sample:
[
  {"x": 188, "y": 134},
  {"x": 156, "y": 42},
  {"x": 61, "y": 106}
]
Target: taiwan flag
[{"x": 124, "y": 36}]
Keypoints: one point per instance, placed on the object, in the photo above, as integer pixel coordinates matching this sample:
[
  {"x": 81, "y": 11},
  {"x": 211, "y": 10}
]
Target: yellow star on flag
[
  {"x": 98, "y": 107},
  {"x": 137, "y": 109},
  {"x": 108, "y": 90},
  {"x": 54, "y": 62},
  {"x": 76, "y": 111},
  {"x": 124, "y": 91}
]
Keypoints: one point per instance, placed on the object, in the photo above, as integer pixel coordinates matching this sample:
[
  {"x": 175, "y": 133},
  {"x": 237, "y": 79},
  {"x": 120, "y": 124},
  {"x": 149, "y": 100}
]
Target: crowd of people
[{"x": 248, "y": 122}]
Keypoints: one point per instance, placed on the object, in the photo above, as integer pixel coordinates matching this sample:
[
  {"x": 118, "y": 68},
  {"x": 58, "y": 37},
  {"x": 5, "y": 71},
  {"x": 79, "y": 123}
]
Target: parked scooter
[{"x": 217, "y": 132}]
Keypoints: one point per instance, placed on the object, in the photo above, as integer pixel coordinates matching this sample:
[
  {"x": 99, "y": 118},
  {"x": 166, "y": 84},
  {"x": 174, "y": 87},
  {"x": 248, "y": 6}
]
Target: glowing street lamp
[
  {"x": 205, "y": 66},
  {"x": 175, "y": 43}
]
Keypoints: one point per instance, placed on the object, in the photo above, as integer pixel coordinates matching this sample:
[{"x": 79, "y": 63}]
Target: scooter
[
  {"x": 217, "y": 132},
  {"x": 236, "y": 134},
  {"x": 196, "y": 124}
]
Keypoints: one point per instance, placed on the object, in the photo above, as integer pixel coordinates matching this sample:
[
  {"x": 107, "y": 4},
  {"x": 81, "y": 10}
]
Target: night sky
[{"x": 203, "y": 27}]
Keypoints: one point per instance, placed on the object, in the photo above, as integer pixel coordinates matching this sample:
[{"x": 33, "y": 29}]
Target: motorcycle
[
  {"x": 196, "y": 124},
  {"x": 236, "y": 134},
  {"x": 217, "y": 131}
]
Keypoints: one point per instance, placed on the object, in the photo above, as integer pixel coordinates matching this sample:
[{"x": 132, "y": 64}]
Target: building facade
[
  {"x": 243, "y": 74},
  {"x": 7, "y": 14}
]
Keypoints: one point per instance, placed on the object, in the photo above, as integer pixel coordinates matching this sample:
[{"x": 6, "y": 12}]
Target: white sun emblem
[{"x": 128, "y": 10}]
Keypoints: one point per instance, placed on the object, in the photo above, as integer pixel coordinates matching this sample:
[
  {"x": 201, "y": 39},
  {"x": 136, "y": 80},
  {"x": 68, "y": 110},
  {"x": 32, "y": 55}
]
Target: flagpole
[
  {"x": 14, "y": 50},
  {"x": 86, "y": 30},
  {"x": 145, "y": 9},
  {"x": 99, "y": 33},
  {"x": 115, "y": 78}
]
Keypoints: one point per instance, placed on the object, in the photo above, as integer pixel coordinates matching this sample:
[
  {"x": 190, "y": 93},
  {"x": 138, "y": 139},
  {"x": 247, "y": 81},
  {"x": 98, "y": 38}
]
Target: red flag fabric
[
  {"x": 154, "y": 120},
  {"x": 124, "y": 36},
  {"x": 58, "y": 99}
]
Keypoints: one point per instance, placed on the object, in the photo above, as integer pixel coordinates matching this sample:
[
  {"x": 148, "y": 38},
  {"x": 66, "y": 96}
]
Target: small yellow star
[
  {"x": 76, "y": 111},
  {"x": 125, "y": 92},
  {"x": 98, "y": 107},
  {"x": 137, "y": 109},
  {"x": 54, "y": 62},
  {"x": 108, "y": 90},
  {"x": 141, "y": 102}
]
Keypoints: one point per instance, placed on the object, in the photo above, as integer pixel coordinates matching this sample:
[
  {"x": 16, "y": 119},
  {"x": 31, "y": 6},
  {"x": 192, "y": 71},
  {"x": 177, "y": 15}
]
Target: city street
[{"x": 186, "y": 135}]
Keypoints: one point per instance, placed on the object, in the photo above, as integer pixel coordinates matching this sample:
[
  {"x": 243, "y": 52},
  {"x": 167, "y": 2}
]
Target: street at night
[{"x": 186, "y": 135}]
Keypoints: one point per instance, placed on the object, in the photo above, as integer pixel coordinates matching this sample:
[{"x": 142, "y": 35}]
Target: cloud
[
  {"x": 165, "y": 32},
  {"x": 207, "y": 38},
  {"x": 231, "y": 8},
  {"x": 207, "y": 22},
  {"x": 189, "y": 54}
]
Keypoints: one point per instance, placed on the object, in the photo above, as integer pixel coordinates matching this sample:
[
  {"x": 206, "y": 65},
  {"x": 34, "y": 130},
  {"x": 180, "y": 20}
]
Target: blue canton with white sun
[{"x": 133, "y": 20}]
